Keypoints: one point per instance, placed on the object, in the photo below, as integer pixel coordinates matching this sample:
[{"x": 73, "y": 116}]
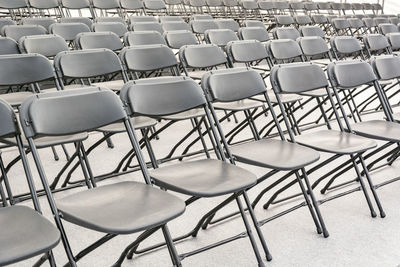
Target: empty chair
[
  {"x": 200, "y": 26},
  {"x": 394, "y": 41},
  {"x": 116, "y": 27},
  {"x": 147, "y": 26},
  {"x": 79, "y": 5},
  {"x": 314, "y": 46},
  {"x": 49, "y": 8},
  {"x": 220, "y": 37},
  {"x": 344, "y": 46},
  {"x": 284, "y": 49},
  {"x": 17, "y": 8},
  {"x": 6, "y": 21},
  {"x": 357, "y": 26},
  {"x": 155, "y": 7},
  {"x": 286, "y": 33},
  {"x": 369, "y": 23},
  {"x": 394, "y": 20},
  {"x": 380, "y": 20},
  {"x": 45, "y": 22},
  {"x": 177, "y": 39},
  {"x": 341, "y": 26},
  {"x": 132, "y": 6},
  {"x": 93, "y": 40},
  {"x": 302, "y": 20},
  {"x": 8, "y": 46},
  {"x": 48, "y": 45},
  {"x": 17, "y": 31},
  {"x": 143, "y": 38},
  {"x": 109, "y": 19},
  {"x": 284, "y": 20},
  {"x": 170, "y": 18},
  {"x": 175, "y": 26},
  {"x": 229, "y": 24},
  {"x": 319, "y": 19},
  {"x": 376, "y": 43},
  {"x": 105, "y": 6},
  {"x": 250, "y": 52},
  {"x": 83, "y": 20},
  {"x": 386, "y": 28},
  {"x": 68, "y": 31},
  {"x": 254, "y": 23},
  {"x": 134, "y": 19},
  {"x": 254, "y": 33},
  {"x": 312, "y": 31}
]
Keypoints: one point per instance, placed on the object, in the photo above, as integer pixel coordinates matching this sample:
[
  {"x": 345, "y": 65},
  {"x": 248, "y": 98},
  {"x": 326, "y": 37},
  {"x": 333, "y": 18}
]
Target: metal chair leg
[{"x": 171, "y": 247}]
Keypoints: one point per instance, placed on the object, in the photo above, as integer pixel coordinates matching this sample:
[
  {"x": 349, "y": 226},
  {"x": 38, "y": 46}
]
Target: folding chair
[
  {"x": 132, "y": 7},
  {"x": 143, "y": 38},
  {"x": 229, "y": 24},
  {"x": 357, "y": 27},
  {"x": 254, "y": 23},
  {"x": 155, "y": 7},
  {"x": 254, "y": 33},
  {"x": 8, "y": 46},
  {"x": 78, "y": 5},
  {"x": 39, "y": 234},
  {"x": 314, "y": 47},
  {"x": 380, "y": 20},
  {"x": 6, "y": 21},
  {"x": 93, "y": 40},
  {"x": 83, "y": 20},
  {"x": 251, "y": 10},
  {"x": 17, "y": 8},
  {"x": 201, "y": 17},
  {"x": 48, "y": 45},
  {"x": 109, "y": 19},
  {"x": 386, "y": 28},
  {"x": 220, "y": 37},
  {"x": 106, "y": 7},
  {"x": 311, "y": 31},
  {"x": 69, "y": 31},
  {"x": 284, "y": 20},
  {"x": 177, "y": 39},
  {"x": 147, "y": 26},
  {"x": 116, "y": 27},
  {"x": 134, "y": 19},
  {"x": 135, "y": 206},
  {"x": 45, "y": 22},
  {"x": 302, "y": 20},
  {"x": 17, "y": 31},
  {"x": 286, "y": 33},
  {"x": 341, "y": 26},
  {"x": 394, "y": 40},
  {"x": 46, "y": 8},
  {"x": 215, "y": 7},
  {"x": 370, "y": 24},
  {"x": 199, "y": 27},
  {"x": 180, "y": 94},
  {"x": 376, "y": 44},
  {"x": 394, "y": 20},
  {"x": 345, "y": 46}
]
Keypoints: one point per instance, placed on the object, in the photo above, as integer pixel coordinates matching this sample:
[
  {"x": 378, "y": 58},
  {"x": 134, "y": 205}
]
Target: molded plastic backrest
[
  {"x": 284, "y": 20},
  {"x": 303, "y": 19},
  {"x": 312, "y": 31},
  {"x": 220, "y": 37},
  {"x": 254, "y": 33},
  {"x": 200, "y": 26},
  {"x": 154, "y": 4},
  {"x": 319, "y": 19},
  {"x": 394, "y": 40},
  {"x": 44, "y": 4},
  {"x": 24, "y": 69},
  {"x": 345, "y": 44},
  {"x": 163, "y": 19},
  {"x": 8, "y": 46},
  {"x": 9, "y": 125},
  {"x": 162, "y": 96},
  {"x": 227, "y": 24},
  {"x": 17, "y": 31},
  {"x": 380, "y": 20},
  {"x": 202, "y": 17},
  {"x": 11, "y": 4},
  {"x": 143, "y": 38},
  {"x": 202, "y": 56},
  {"x": 249, "y": 4},
  {"x": 386, "y": 67},
  {"x": 105, "y": 4},
  {"x": 284, "y": 49},
  {"x": 109, "y": 19},
  {"x": 177, "y": 39},
  {"x": 385, "y": 28},
  {"x": 134, "y": 19},
  {"x": 68, "y": 31},
  {"x": 313, "y": 45},
  {"x": 369, "y": 22},
  {"x": 232, "y": 84},
  {"x": 45, "y": 22},
  {"x": 376, "y": 42},
  {"x": 83, "y": 20},
  {"x": 350, "y": 73},
  {"x": 148, "y": 57},
  {"x": 286, "y": 33},
  {"x": 297, "y": 77},
  {"x": 246, "y": 51},
  {"x": 355, "y": 23},
  {"x": 75, "y": 4},
  {"x": 5, "y": 22},
  {"x": 341, "y": 24},
  {"x": 69, "y": 112},
  {"x": 254, "y": 23},
  {"x": 131, "y": 4},
  {"x": 266, "y": 5},
  {"x": 87, "y": 63},
  {"x": 147, "y": 26},
  {"x": 93, "y": 40},
  {"x": 116, "y": 27},
  {"x": 175, "y": 26},
  {"x": 48, "y": 45}
]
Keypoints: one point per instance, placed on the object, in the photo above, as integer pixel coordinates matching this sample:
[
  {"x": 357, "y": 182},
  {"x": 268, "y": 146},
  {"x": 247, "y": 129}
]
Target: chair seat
[
  {"x": 285, "y": 98},
  {"x": 197, "y": 75},
  {"x": 121, "y": 208},
  {"x": 238, "y": 105},
  {"x": 203, "y": 178},
  {"x": 190, "y": 114},
  {"x": 315, "y": 93},
  {"x": 114, "y": 85},
  {"x": 138, "y": 122},
  {"x": 47, "y": 141},
  {"x": 15, "y": 99},
  {"x": 337, "y": 142},
  {"x": 378, "y": 129},
  {"x": 25, "y": 234},
  {"x": 275, "y": 154}
]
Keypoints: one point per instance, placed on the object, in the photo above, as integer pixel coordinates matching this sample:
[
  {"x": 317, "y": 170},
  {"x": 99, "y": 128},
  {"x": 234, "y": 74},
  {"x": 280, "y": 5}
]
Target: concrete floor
[{"x": 355, "y": 239}]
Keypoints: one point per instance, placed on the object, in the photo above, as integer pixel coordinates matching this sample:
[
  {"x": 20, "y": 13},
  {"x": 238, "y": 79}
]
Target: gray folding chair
[
  {"x": 78, "y": 5},
  {"x": 69, "y": 31},
  {"x": 93, "y": 40},
  {"x": 220, "y": 37},
  {"x": 312, "y": 31},
  {"x": 376, "y": 44},
  {"x": 109, "y": 19},
  {"x": 134, "y": 19},
  {"x": 155, "y": 7},
  {"x": 83, "y": 20},
  {"x": 254, "y": 33},
  {"x": 48, "y": 45},
  {"x": 147, "y": 26},
  {"x": 28, "y": 232},
  {"x": 284, "y": 20},
  {"x": 17, "y": 31},
  {"x": 341, "y": 26},
  {"x": 132, "y": 7},
  {"x": 45, "y": 22},
  {"x": 229, "y": 24},
  {"x": 254, "y": 23},
  {"x": 286, "y": 33},
  {"x": 170, "y": 19},
  {"x": 143, "y": 38},
  {"x": 134, "y": 206},
  {"x": 394, "y": 40},
  {"x": 346, "y": 46},
  {"x": 105, "y": 8},
  {"x": 302, "y": 20},
  {"x": 46, "y": 8},
  {"x": 6, "y": 21},
  {"x": 199, "y": 27},
  {"x": 8, "y": 46},
  {"x": 386, "y": 28},
  {"x": 177, "y": 39},
  {"x": 116, "y": 27},
  {"x": 315, "y": 48}
]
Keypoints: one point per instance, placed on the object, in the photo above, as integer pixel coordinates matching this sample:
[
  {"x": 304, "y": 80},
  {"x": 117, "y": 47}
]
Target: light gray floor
[{"x": 355, "y": 239}]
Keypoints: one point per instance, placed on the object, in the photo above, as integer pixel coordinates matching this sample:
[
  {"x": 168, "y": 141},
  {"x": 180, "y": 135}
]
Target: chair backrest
[
  {"x": 284, "y": 49},
  {"x": 68, "y": 31},
  {"x": 284, "y": 20},
  {"x": 345, "y": 45},
  {"x": 386, "y": 67},
  {"x": 254, "y": 23},
  {"x": 147, "y": 26},
  {"x": 385, "y": 28},
  {"x": 175, "y": 26},
  {"x": 355, "y": 23},
  {"x": 228, "y": 24},
  {"x": 249, "y": 5},
  {"x": 83, "y": 20},
  {"x": 155, "y": 97},
  {"x": 286, "y": 33},
  {"x": 105, "y": 4},
  {"x": 220, "y": 37},
  {"x": 9, "y": 126},
  {"x": 5, "y": 22},
  {"x": 369, "y": 22},
  {"x": 134, "y": 19},
  {"x": 394, "y": 40},
  {"x": 340, "y": 23},
  {"x": 297, "y": 78},
  {"x": 312, "y": 31},
  {"x": 380, "y": 20},
  {"x": 254, "y": 33},
  {"x": 246, "y": 51},
  {"x": 116, "y": 27},
  {"x": 24, "y": 69},
  {"x": 93, "y": 40},
  {"x": 303, "y": 19},
  {"x": 75, "y": 4},
  {"x": 131, "y": 4},
  {"x": 200, "y": 26},
  {"x": 8, "y": 46},
  {"x": 375, "y": 42},
  {"x": 13, "y": 4},
  {"x": 44, "y": 4},
  {"x": 177, "y": 39},
  {"x": 163, "y": 19},
  {"x": 350, "y": 73},
  {"x": 319, "y": 19},
  {"x": 45, "y": 22},
  {"x": 232, "y": 84},
  {"x": 154, "y": 4},
  {"x": 109, "y": 19},
  {"x": 201, "y": 17},
  {"x": 148, "y": 57},
  {"x": 313, "y": 45},
  {"x": 87, "y": 63},
  {"x": 143, "y": 38},
  {"x": 70, "y": 112},
  {"x": 201, "y": 56},
  {"x": 48, "y": 45},
  {"x": 394, "y": 20},
  {"x": 17, "y": 31}
]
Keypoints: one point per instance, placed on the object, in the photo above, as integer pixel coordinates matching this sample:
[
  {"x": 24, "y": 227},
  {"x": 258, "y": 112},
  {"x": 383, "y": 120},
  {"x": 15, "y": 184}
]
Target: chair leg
[
  {"x": 52, "y": 261},
  {"x": 257, "y": 226},
  {"x": 171, "y": 247},
  {"x": 56, "y": 157},
  {"x": 315, "y": 203},
  {"x": 249, "y": 233}
]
